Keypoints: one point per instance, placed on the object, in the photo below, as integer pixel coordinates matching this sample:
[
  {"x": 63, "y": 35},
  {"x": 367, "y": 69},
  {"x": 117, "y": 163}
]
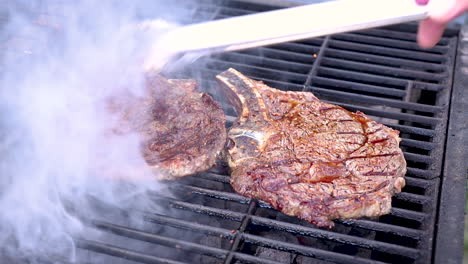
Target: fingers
[
  {"x": 422, "y": 2},
  {"x": 441, "y": 13},
  {"x": 429, "y": 33}
]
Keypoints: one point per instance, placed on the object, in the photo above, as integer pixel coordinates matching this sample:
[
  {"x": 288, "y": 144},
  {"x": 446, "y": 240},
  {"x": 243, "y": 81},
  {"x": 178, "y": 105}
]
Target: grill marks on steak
[
  {"x": 307, "y": 158},
  {"x": 182, "y": 131}
]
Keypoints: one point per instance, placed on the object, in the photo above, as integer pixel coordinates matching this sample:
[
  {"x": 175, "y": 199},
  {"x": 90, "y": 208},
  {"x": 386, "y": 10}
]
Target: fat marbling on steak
[
  {"x": 182, "y": 131},
  {"x": 307, "y": 158}
]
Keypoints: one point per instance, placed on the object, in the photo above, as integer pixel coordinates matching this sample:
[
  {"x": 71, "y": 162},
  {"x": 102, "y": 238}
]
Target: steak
[
  {"x": 182, "y": 131},
  {"x": 307, "y": 158}
]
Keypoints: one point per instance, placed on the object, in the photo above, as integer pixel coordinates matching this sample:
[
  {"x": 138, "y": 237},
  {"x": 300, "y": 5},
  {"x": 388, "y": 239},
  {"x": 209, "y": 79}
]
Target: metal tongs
[{"x": 284, "y": 25}]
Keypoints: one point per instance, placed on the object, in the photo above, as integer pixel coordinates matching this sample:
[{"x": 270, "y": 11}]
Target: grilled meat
[
  {"x": 307, "y": 158},
  {"x": 182, "y": 131}
]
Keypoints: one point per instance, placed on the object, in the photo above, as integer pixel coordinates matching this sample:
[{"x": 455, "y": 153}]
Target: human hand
[{"x": 441, "y": 13}]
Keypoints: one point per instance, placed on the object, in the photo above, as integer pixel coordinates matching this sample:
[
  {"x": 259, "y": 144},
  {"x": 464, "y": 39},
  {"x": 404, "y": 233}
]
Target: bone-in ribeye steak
[
  {"x": 183, "y": 131},
  {"x": 307, "y": 158}
]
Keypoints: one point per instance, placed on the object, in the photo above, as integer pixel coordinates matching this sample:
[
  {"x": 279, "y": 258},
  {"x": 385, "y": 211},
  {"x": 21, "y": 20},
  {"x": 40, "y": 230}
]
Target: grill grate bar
[
  {"x": 166, "y": 241},
  {"x": 382, "y": 227},
  {"x": 221, "y": 168},
  {"x": 398, "y": 35},
  {"x": 373, "y": 78},
  {"x": 226, "y": 214},
  {"x": 193, "y": 226},
  {"x": 272, "y": 56},
  {"x": 314, "y": 41},
  {"x": 419, "y": 182},
  {"x": 331, "y": 236},
  {"x": 376, "y": 100},
  {"x": 418, "y": 144},
  {"x": 252, "y": 259},
  {"x": 228, "y": 196},
  {"x": 418, "y": 158},
  {"x": 304, "y": 250},
  {"x": 384, "y": 70},
  {"x": 122, "y": 253},
  {"x": 408, "y": 214},
  {"x": 386, "y": 42},
  {"x": 279, "y": 54},
  {"x": 414, "y": 198},
  {"x": 383, "y": 60},
  {"x": 224, "y": 64},
  {"x": 353, "y": 86},
  {"x": 391, "y": 52},
  {"x": 261, "y": 71},
  {"x": 311, "y": 47},
  {"x": 420, "y": 173},
  {"x": 212, "y": 177},
  {"x": 250, "y": 60}
]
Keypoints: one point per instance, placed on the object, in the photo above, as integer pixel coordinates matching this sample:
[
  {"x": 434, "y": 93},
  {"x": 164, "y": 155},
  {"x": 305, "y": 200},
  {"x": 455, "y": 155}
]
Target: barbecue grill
[{"x": 380, "y": 72}]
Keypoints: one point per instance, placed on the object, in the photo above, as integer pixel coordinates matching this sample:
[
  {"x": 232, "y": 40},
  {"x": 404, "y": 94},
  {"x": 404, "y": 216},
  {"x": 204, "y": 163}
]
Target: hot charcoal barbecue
[{"x": 380, "y": 72}]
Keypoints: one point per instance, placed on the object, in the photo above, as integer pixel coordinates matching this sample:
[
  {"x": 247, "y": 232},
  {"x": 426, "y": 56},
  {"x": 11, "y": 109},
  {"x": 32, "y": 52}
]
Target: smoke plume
[{"x": 60, "y": 61}]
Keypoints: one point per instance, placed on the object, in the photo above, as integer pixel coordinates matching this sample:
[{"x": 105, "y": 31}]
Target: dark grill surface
[{"x": 380, "y": 72}]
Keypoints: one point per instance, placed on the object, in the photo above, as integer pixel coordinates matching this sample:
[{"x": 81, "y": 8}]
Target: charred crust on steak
[
  {"x": 182, "y": 131},
  {"x": 307, "y": 158}
]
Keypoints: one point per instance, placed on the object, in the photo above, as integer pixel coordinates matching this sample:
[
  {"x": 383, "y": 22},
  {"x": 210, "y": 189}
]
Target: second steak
[{"x": 182, "y": 131}]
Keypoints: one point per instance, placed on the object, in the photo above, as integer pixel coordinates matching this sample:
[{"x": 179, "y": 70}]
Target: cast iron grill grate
[{"x": 380, "y": 72}]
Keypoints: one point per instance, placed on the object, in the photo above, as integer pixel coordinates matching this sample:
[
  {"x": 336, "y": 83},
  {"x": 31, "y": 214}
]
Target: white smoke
[{"x": 55, "y": 149}]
